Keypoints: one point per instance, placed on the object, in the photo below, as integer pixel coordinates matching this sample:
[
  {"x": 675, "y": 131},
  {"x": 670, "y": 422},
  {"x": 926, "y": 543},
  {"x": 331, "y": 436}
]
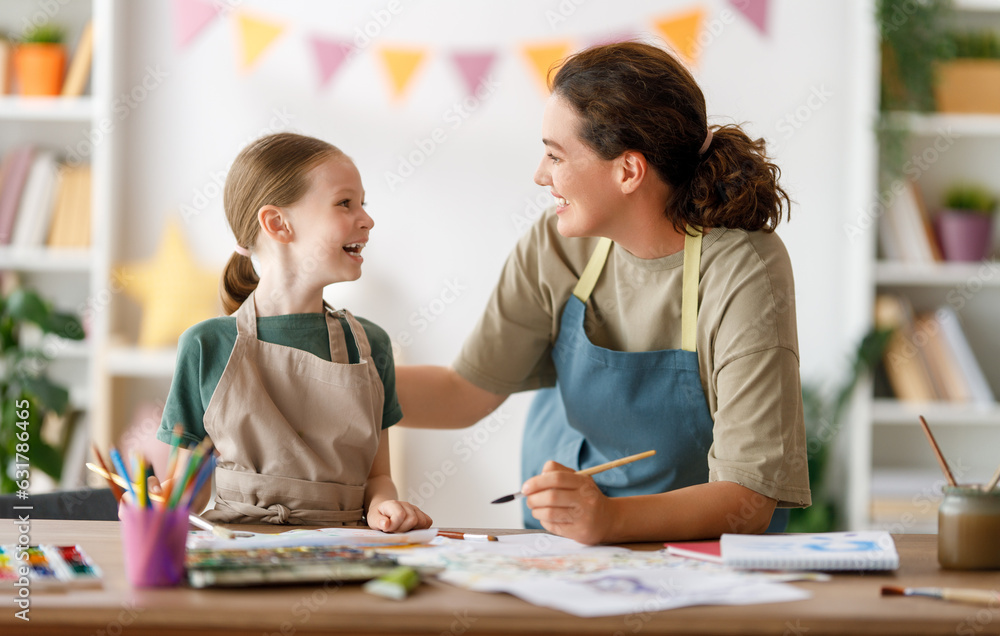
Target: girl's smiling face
[
  {"x": 587, "y": 196},
  {"x": 330, "y": 223}
]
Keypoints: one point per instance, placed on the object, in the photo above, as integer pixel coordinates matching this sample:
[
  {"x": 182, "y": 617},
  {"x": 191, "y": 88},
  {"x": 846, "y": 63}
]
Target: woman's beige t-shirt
[{"x": 747, "y": 342}]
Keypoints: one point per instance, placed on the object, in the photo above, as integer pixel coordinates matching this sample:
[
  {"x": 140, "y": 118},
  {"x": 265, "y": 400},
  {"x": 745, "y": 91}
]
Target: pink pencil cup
[{"x": 154, "y": 540}]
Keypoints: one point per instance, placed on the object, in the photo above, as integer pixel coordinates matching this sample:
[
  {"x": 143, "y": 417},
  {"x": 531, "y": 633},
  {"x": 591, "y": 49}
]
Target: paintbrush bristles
[{"x": 937, "y": 453}]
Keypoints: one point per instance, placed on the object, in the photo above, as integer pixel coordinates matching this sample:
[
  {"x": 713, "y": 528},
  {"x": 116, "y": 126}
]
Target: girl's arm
[
  {"x": 384, "y": 511},
  {"x": 571, "y": 505},
  {"x": 438, "y": 397},
  {"x": 200, "y": 499}
]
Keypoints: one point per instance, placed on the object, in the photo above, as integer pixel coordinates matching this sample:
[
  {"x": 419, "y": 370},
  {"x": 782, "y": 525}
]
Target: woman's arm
[
  {"x": 438, "y": 397},
  {"x": 571, "y": 505},
  {"x": 384, "y": 512}
]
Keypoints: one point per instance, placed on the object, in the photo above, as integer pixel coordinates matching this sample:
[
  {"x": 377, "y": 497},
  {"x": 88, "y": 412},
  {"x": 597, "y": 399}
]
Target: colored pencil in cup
[
  {"x": 116, "y": 490},
  {"x": 593, "y": 470},
  {"x": 118, "y": 480}
]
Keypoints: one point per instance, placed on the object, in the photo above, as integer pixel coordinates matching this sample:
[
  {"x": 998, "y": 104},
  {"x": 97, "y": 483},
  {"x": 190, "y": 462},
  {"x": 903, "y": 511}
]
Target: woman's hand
[
  {"x": 568, "y": 504},
  {"x": 397, "y": 516}
]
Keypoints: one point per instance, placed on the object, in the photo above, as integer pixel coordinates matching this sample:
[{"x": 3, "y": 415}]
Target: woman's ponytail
[{"x": 733, "y": 186}]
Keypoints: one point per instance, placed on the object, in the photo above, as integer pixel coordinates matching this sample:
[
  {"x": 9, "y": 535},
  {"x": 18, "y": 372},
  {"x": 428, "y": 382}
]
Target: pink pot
[{"x": 964, "y": 236}]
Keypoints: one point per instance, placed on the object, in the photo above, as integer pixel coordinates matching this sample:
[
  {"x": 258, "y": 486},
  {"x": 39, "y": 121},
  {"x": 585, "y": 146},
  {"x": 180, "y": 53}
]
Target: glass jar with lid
[{"x": 969, "y": 528}]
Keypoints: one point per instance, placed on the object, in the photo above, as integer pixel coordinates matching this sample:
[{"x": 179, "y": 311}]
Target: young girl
[{"x": 295, "y": 396}]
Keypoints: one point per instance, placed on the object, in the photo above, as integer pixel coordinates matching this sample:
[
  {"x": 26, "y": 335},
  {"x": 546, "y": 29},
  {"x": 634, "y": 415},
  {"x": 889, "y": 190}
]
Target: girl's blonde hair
[{"x": 274, "y": 170}]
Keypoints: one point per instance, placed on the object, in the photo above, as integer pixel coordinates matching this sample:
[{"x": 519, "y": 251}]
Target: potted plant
[
  {"x": 26, "y": 393},
  {"x": 40, "y": 61},
  {"x": 970, "y": 83},
  {"x": 965, "y": 225}
]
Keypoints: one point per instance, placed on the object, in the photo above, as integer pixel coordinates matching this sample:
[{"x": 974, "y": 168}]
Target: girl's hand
[
  {"x": 568, "y": 504},
  {"x": 397, "y": 516}
]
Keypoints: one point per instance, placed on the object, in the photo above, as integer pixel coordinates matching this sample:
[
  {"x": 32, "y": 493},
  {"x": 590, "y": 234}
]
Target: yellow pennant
[
  {"x": 545, "y": 56},
  {"x": 681, "y": 30},
  {"x": 255, "y": 35},
  {"x": 401, "y": 64}
]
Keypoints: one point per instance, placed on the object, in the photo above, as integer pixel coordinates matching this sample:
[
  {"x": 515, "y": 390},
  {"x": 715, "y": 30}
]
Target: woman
[{"x": 655, "y": 310}]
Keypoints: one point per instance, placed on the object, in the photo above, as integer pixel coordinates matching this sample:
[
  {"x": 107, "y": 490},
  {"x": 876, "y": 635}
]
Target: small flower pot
[
  {"x": 39, "y": 69},
  {"x": 964, "y": 236}
]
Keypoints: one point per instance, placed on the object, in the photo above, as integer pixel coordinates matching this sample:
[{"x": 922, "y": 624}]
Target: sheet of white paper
[
  {"x": 592, "y": 581},
  {"x": 331, "y": 537},
  {"x": 632, "y": 591}
]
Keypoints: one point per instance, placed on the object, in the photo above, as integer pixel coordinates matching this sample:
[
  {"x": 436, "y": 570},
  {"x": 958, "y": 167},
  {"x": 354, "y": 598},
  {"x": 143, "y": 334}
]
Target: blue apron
[{"x": 609, "y": 404}]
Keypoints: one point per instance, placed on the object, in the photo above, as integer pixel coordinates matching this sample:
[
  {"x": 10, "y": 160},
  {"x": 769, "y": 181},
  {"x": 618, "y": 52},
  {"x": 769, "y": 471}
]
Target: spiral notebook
[{"x": 857, "y": 551}]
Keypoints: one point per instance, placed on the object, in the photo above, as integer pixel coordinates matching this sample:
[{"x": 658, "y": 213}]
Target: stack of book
[
  {"x": 928, "y": 357},
  {"x": 42, "y": 202},
  {"x": 905, "y": 231}
]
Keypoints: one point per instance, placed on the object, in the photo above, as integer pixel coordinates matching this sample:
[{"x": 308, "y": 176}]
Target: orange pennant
[
  {"x": 401, "y": 64},
  {"x": 545, "y": 56},
  {"x": 254, "y": 36},
  {"x": 681, "y": 31}
]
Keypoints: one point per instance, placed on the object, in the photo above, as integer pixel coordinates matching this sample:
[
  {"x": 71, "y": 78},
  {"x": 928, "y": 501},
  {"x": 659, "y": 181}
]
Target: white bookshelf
[
  {"x": 73, "y": 279},
  {"x": 887, "y": 441}
]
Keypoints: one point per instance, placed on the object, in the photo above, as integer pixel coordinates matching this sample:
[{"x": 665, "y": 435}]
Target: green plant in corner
[
  {"x": 823, "y": 414},
  {"x": 26, "y": 393}
]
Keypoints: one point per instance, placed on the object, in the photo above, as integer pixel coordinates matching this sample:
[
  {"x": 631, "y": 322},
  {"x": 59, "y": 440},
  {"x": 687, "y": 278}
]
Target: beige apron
[{"x": 296, "y": 435}]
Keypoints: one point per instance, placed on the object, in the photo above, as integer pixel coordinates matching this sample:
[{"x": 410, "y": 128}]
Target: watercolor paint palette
[
  {"x": 283, "y": 566},
  {"x": 49, "y": 566}
]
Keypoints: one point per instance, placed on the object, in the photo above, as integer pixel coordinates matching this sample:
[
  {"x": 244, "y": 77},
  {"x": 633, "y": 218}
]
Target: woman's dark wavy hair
[{"x": 634, "y": 96}]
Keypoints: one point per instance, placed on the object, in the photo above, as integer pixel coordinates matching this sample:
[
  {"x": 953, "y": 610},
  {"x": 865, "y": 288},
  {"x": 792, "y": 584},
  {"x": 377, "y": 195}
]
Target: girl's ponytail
[{"x": 238, "y": 281}]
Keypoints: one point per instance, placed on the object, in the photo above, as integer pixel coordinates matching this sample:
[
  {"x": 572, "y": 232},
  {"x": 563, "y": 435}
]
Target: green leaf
[
  {"x": 63, "y": 325},
  {"x": 26, "y": 306},
  {"x": 51, "y": 396},
  {"x": 46, "y": 458}
]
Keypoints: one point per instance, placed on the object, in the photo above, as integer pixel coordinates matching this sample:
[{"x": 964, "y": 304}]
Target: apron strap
[
  {"x": 689, "y": 291},
  {"x": 338, "y": 345},
  {"x": 246, "y": 317},
  {"x": 592, "y": 271},
  {"x": 360, "y": 337}
]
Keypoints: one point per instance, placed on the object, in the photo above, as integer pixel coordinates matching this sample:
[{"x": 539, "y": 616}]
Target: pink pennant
[
  {"x": 755, "y": 10},
  {"x": 474, "y": 67},
  {"x": 330, "y": 55},
  {"x": 190, "y": 17}
]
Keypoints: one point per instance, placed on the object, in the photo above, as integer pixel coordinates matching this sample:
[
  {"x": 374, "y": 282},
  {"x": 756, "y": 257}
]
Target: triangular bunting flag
[
  {"x": 542, "y": 57},
  {"x": 613, "y": 38},
  {"x": 474, "y": 67},
  {"x": 330, "y": 54},
  {"x": 190, "y": 17},
  {"x": 401, "y": 63},
  {"x": 754, "y": 10},
  {"x": 254, "y": 36},
  {"x": 681, "y": 31}
]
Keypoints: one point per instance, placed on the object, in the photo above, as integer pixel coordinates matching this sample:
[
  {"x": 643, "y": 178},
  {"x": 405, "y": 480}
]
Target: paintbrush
[
  {"x": 593, "y": 470},
  {"x": 990, "y": 598},
  {"x": 937, "y": 453}
]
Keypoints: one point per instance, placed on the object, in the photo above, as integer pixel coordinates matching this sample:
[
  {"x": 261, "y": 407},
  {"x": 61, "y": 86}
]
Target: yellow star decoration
[{"x": 173, "y": 290}]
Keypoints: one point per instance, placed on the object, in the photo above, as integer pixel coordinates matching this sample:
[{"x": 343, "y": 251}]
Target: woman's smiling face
[{"x": 583, "y": 184}]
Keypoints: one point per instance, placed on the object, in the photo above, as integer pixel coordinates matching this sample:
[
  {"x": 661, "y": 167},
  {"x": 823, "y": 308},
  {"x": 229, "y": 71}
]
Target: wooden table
[{"x": 850, "y": 604}]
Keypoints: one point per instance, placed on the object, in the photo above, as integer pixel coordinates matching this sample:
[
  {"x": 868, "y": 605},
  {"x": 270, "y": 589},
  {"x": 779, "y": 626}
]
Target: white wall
[{"x": 453, "y": 222}]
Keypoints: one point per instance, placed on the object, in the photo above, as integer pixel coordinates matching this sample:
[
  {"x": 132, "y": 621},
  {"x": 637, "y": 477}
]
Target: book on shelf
[
  {"x": 34, "y": 211},
  {"x": 6, "y": 51},
  {"x": 951, "y": 328},
  {"x": 928, "y": 357},
  {"x": 15, "y": 167},
  {"x": 79, "y": 68},
  {"x": 71, "y": 215},
  {"x": 905, "y": 230}
]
